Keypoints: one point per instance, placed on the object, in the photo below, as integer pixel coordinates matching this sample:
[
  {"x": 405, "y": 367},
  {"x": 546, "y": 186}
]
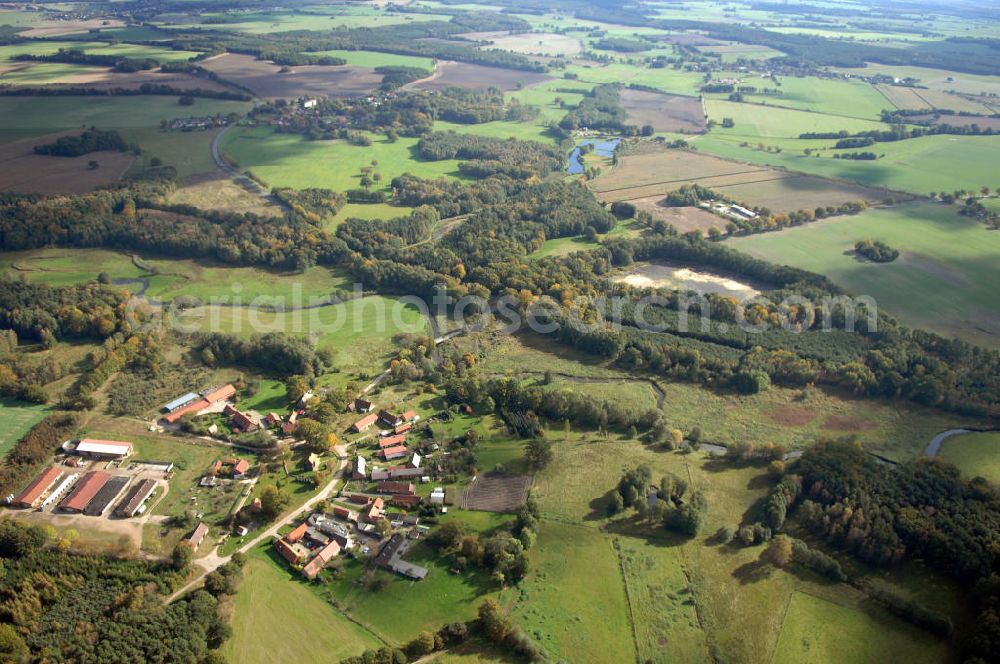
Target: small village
[{"x": 374, "y": 514}]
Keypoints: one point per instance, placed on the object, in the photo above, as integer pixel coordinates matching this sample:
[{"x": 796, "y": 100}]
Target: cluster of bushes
[
  {"x": 91, "y": 140},
  {"x": 312, "y": 204},
  {"x": 599, "y": 109},
  {"x": 876, "y": 250},
  {"x": 668, "y": 504},
  {"x": 856, "y": 156},
  {"x": 34, "y": 449},
  {"x": 502, "y": 554},
  {"x": 488, "y": 156},
  {"x": 274, "y": 353}
]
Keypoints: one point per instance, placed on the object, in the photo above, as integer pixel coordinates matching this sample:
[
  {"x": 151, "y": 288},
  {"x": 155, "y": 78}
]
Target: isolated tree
[
  {"x": 182, "y": 555},
  {"x": 538, "y": 453},
  {"x": 295, "y": 388},
  {"x": 272, "y": 501},
  {"x": 779, "y": 551}
]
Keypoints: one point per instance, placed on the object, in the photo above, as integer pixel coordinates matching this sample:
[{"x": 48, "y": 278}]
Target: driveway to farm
[
  {"x": 234, "y": 173},
  {"x": 213, "y": 560}
]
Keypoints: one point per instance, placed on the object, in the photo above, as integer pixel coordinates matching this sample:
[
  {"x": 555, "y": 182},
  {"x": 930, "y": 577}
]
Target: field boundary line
[
  {"x": 886, "y": 97},
  {"x": 784, "y": 614},
  {"x": 697, "y": 177},
  {"x": 616, "y": 546}
]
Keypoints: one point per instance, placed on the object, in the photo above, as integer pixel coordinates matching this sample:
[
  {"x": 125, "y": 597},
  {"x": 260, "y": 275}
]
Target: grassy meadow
[
  {"x": 17, "y": 417},
  {"x": 941, "y": 282},
  {"x": 861, "y": 635},
  {"x": 277, "y": 616},
  {"x": 919, "y": 165},
  {"x": 974, "y": 454},
  {"x": 34, "y": 116}
]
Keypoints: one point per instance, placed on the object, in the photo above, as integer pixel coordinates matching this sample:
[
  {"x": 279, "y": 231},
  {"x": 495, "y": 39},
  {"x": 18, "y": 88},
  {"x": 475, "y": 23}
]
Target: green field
[
  {"x": 317, "y": 18},
  {"x": 942, "y": 280},
  {"x": 975, "y": 454},
  {"x": 176, "y": 277},
  {"x": 849, "y": 98},
  {"x": 33, "y": 116},
  {"x": 573, "y": 601},
  {"x": 275, "y": 616},
  {"x": 660, "y": 595},
  {"x": 859, "y": 637},
  {"x": 359, "y": 331},
  {"x": 754, "y": 121},
  {"x": 290, "y": 160},
  {"x": 919, "y": 165},
  {"x": 17, "y": 417}
]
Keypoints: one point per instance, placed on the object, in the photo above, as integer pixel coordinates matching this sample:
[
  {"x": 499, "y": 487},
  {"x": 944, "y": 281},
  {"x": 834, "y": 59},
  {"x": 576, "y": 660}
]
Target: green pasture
[
  {"x": 942, "y": 281},
  {"x": 17, "y": 417},
  {"x": 33, "y": 116},
  {"x": 919, "y": 165},
  {"x": 849, "y": 98},
  {"x": 290, "y": 160},
  {"x": 756, "y": 121},
  {"x": 359, "y": 331},
  {"x": 175, "y": 277},
  {"x": 666, "y": 80},
  {"x": 975, "y": 454},
  {"x": 573, "y": 601},
  {"x": 818, "y": 630},
  {"x": 275, "y": 615}
]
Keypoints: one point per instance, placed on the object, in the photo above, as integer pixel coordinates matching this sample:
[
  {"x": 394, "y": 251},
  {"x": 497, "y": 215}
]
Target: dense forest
[
  {"x": 919, "y": 510},
  {"x": 57, "y": 606}
]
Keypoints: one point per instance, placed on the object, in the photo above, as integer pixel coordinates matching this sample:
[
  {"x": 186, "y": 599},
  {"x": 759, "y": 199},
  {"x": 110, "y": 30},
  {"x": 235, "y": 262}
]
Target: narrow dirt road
[{"x": 213, "y": 560}]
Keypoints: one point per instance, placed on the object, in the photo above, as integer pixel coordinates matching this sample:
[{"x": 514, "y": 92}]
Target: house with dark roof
[{"x": 389, "y": 419}]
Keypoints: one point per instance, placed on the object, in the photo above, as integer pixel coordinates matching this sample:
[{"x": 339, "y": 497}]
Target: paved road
[{"x": 213, "y": 560}]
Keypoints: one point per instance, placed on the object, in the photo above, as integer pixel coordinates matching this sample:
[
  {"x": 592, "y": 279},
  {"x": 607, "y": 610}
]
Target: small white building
[
  {"x": 309, "y": 103},
  {"x": 437, "y": 496}
]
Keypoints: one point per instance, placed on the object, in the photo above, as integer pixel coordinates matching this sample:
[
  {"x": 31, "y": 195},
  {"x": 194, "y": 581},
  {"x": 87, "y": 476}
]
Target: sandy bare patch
[
  {"x": 451, "y": 74},
  {"x": 266, "y": 80},
  {"x": 847, "y": 423},
  {"x": 660, "y": 275},
  {"x": 23, "y": 171},
  {"x": 664, "y": 112},
  {"x": 218, "y": 192},
  {"x": 791, "y": 416},
  {"x": 528, "y": 43}
]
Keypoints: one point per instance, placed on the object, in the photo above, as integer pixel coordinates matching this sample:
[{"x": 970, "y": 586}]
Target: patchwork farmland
[{"x": 644, "y": 176}]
